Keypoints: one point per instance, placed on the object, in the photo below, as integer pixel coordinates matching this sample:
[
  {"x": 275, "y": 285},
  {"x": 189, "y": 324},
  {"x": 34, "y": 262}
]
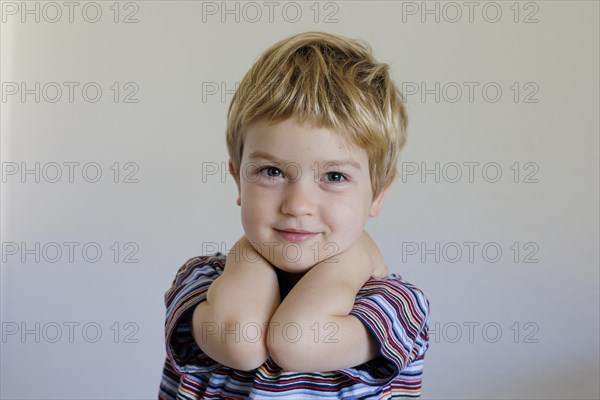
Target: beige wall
[{"x": 522, "y": 323}]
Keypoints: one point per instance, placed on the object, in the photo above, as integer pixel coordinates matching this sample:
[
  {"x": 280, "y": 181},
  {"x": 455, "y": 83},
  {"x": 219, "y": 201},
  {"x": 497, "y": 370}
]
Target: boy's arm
[
  {"x": 231, "y": 325},
  {"x": 312, "y": 329}
]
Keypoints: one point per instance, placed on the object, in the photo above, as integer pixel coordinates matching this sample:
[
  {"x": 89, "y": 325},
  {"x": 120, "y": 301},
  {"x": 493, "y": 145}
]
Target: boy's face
[{"x": 299, "y": 177}]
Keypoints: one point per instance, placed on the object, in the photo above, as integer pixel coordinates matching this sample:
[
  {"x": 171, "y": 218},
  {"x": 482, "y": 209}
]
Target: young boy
[{"x": 304, "y": 305}]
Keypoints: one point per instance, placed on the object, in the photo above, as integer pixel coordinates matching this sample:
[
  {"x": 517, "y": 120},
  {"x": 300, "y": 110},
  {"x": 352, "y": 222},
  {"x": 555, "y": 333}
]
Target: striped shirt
[{"x": 395, "y": 311}]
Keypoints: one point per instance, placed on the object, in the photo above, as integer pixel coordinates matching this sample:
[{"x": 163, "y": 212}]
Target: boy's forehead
[
  {"x": 341, "y": 160},
  {"x": 291, "y": 141}
]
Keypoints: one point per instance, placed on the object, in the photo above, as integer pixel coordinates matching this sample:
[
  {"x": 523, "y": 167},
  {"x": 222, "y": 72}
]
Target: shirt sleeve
[
  {"x": 397, "y": 313},
  {"x": 189, "y": 288}
]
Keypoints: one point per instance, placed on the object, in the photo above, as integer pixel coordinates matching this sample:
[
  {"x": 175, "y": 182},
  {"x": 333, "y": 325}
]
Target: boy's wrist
[{"x": 359, "y": 262}]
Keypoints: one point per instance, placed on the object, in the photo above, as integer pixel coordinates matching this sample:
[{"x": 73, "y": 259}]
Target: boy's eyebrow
[{"x": 261, "y": 154}]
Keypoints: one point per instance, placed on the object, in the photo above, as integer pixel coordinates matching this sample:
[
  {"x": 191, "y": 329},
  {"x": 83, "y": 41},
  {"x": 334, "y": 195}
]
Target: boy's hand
[
  {"x": 241, "y": 260},
  {"x": 379, "y": 268},
  {"x": 360, "y": 261}
]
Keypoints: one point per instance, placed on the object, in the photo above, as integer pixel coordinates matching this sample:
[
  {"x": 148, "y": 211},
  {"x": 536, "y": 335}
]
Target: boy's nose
[{"x": 298, "y": 200}]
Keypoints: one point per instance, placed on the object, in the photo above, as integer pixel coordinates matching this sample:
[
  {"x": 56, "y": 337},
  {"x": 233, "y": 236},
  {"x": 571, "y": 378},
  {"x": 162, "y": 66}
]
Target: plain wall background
[{"x": 520, "y": 324}]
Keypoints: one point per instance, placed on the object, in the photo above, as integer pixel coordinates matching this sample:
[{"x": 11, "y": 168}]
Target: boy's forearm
[
  {"x": 220, "y": 340},
  {"x": 231, "y": 325},
  {"x": 312, "y": 329},
  {"x": 322, "y": 292},
  {"x": 319, "y": 345},
  {"x": 318, "y": 307}
]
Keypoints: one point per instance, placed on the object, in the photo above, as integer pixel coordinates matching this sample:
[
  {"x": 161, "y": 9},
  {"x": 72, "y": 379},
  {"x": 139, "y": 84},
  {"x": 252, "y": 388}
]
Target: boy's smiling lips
[{"x": 295, "y": 235}]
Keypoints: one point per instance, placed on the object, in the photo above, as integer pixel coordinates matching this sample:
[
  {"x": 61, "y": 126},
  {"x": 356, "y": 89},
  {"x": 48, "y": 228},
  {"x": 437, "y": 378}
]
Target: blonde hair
[{"x": 334, "y": 82}]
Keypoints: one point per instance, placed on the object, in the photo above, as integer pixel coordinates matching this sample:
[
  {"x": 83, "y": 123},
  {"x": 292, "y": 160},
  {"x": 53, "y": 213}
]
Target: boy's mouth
[{"x": 295, "y": 235}]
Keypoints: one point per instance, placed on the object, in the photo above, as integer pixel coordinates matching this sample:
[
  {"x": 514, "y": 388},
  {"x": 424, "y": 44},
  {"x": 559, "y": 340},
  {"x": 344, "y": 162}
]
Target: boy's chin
[{"x": 292, "y": 266}]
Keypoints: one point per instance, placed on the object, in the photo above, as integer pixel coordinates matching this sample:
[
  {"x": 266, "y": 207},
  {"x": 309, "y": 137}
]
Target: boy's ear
[
  {"x": 378, "y": 202},
  {"x": 232, "y": 171}
]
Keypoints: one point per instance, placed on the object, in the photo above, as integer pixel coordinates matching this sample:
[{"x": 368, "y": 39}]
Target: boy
[{"x": 303, "y": 306}]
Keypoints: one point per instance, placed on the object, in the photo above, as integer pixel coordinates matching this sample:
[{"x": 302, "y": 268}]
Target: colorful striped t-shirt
[{"x": 393, "y": 309}]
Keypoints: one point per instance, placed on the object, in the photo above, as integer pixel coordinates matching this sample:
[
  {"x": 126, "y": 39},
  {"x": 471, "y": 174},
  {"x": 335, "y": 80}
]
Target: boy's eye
[
  {"x": 271, "y": 171},
  {"x": 335, "y": 176}
]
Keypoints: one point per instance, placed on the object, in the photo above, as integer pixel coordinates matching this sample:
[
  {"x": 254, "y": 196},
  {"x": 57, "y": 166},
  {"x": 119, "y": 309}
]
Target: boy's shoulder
[
  {"x": 197, "y": 270},
  {"x": 215, "y": 261},
  {"x": 393, "y": 280},
  {"x": 393, "y": 290}
]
